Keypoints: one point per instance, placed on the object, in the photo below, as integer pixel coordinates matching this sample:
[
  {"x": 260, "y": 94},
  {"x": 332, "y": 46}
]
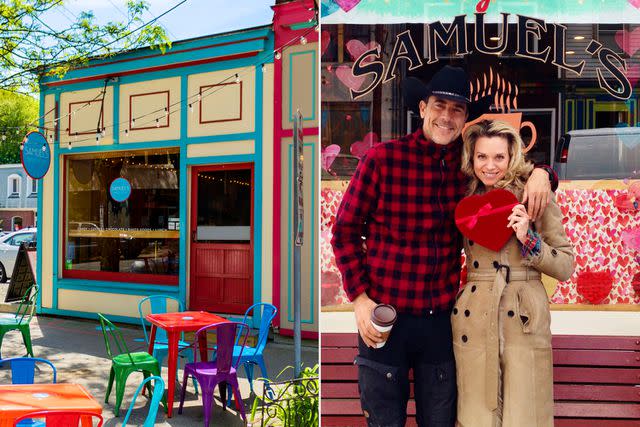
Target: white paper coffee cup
[{"x": 384, "y": 330}]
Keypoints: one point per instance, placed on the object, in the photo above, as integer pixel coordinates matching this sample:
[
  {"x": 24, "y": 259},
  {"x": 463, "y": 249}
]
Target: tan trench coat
[{"x": 501, "y": 331}]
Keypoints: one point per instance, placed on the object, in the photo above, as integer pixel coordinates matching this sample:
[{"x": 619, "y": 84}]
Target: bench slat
[
  {"x": 629, "y": 393},
  {"x": 338, "y": 355},
  {"x": 352, "y": 407},
  {"x": 589, "y": 375},
  {"x": 596, "y": 410},
  {"x": 592, "y": 342},
  {"x": 596, "y": 358},
  {"x": 586, "y": 422},
  {"x": 339, "y": 340}
]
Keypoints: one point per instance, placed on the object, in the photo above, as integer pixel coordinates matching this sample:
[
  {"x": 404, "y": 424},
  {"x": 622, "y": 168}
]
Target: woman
[{"x": 501, "y": 320}]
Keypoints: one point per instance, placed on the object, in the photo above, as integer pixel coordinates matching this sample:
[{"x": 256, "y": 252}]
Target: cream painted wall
[
  {"x": 86, "y": 104},
  {"x": 47, "y": 192},
  {"x": 562, "y": 322},
  {"x": 221, "y": 148},
  {"x": 94, "y": 302},
  {"x": 307, "y": 260},
  {"x": 221, "y": 103},
  {"x": 146, "y": 98},
  {"x": 298, "y": 89},
  {"x": 267, "y": 186}
]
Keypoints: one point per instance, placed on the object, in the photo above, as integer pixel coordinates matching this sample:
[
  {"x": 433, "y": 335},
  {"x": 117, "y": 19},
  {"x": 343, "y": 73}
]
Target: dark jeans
[{"x": 423, "y": 344}]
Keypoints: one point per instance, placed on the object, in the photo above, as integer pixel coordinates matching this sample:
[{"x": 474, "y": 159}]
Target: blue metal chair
[
  {"x": 250, "y": 356},
  {"x": 158, "y": 391},
  {"x": 23, "y": 369},
  {"x": 160, "y": 304}
]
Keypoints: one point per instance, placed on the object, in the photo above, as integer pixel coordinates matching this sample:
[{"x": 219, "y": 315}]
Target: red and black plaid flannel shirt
[{"x": 401, "y": 199}]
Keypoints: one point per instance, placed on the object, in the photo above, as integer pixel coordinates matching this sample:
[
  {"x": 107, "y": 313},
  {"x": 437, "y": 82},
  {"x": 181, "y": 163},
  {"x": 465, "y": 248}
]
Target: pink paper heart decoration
[
  {"x": 348, "y": 79},
  {"x": 347, "y": 5},
  {"x": 629, "y": 41},
  {"x": 635, "y": 3},
  {"x": 329, "y": 154},
  {"x": 325, "y": 39},
  {"x": 359, "y": 148},
  {"x": 356, "y": 48},
  {"x": 631, "y": 238}
]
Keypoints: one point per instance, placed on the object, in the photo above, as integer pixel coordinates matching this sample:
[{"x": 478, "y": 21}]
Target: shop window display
[{"x": 134, "y": 240}]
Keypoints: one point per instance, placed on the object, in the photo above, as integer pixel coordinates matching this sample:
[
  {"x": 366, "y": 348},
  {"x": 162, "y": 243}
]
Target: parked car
[
  {"x": 596, "y": 154},
  {"x": 9, "y": 246}
]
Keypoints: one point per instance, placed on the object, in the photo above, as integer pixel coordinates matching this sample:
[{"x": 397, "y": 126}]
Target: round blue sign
[
  {"x": 120, "y": 189},
  {"x": 35, "y": 155}
]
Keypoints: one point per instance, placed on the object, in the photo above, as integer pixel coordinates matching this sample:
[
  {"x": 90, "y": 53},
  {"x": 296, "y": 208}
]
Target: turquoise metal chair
[
  {"x": 160, "y": 304},
  {"x": 21, "y": 319},
  {"x": 250, "y": 356},
  {"x": 158, "y": 391},
  {"x": 23, "y": 369}
]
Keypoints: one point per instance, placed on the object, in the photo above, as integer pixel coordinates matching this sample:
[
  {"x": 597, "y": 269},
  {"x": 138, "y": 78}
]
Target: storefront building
[
  {"x": 192, "y": 133},
  {"x": 551, "y": 68}
]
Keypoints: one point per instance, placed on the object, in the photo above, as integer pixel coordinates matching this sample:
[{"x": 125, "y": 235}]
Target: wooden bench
[{"x": 596, "y": 381}]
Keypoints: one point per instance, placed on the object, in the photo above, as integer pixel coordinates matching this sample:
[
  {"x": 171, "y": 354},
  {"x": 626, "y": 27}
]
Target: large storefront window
[
  {"x": 135, "y": 240},
  {"x": 568, "y": 87}
]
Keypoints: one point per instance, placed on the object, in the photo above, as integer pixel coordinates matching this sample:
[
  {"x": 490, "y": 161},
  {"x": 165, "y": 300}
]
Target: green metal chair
[
  {"x": 125, "y": 362},
  {"x": 21, "y": 319}
]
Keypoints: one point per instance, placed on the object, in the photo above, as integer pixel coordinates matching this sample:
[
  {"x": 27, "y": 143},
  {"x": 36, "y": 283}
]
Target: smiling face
[
  {"x": 491, "y": 159},
  {"x": 443, "y": 119}
]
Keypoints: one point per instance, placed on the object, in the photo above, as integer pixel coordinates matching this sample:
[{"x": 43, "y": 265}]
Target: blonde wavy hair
[{"x": 519, "y": 168}]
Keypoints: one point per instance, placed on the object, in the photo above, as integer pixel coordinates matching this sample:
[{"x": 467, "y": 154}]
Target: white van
[{"x": 594, "y": 154}]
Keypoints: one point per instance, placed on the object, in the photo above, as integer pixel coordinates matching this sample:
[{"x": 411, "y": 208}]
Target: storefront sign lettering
[
  {"x": 610, "y": 73},
  {"x": 35, "y": 155}
]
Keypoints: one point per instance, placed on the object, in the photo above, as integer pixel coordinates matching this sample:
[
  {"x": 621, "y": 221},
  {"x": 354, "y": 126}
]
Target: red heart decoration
[
  {"x": 595, "y": 286},
  {"x": 635, "y": 283},
  {"x": 356, "y": 48},
  {"x": 325, "y": 39},
  {"x": 483, "y": 218},
  {"x": 360, "y": 148},
  {"x": 347, "y": 78},
  {"x": 634, "y": 3}
]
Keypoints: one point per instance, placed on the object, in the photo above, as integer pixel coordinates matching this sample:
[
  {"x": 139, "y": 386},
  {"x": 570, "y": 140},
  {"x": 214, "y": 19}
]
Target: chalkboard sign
[{"x": 24, "y": 273}]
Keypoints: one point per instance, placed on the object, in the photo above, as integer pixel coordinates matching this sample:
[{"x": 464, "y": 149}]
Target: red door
[{"x": 221, "y": 276}]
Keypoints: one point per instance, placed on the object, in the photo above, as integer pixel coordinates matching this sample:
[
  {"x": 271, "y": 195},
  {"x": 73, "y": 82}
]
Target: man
[{"x": 401, "y": 201}]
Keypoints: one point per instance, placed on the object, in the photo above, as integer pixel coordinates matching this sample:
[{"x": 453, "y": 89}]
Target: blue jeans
[{"x": 421, "y": 344}]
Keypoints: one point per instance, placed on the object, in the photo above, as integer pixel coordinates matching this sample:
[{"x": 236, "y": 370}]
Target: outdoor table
[
  {"x": 20, "y": 399},
  {"x": 176, "y": 323}
]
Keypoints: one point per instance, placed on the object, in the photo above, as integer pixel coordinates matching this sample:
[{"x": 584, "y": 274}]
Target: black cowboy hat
[{"x": 449, "y": 83}]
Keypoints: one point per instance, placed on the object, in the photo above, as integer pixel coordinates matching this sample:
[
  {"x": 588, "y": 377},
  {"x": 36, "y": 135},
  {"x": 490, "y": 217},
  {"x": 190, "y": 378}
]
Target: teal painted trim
[
  {"x": 184, "y": 71},
  {"x": 217, "y": 160},
  {"x": 223, "y": 138},
  {"x": 257, "y": 193},
  {"x": 314, "y": 85},
  {"x": 56, "y": 213},
  {"x": 184, "y": 195},
  {"x": 181, "y": 45},
  {"x": 163, "y": 60},
  {"x": 289, "y": 241},
  {"x": 116, "y": 287},
  {"x": 39, "y": 219},
  {"x": 303, "y": 25},
  {"x": 93, "y": 316},
  {"x": 121, "y": 147},
  {"x": 116, "y": 113}
]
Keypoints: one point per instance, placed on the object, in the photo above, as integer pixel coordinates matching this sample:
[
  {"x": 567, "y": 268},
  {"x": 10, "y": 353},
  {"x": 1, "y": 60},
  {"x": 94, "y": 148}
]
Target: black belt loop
[{"x": 498, "y": 266}]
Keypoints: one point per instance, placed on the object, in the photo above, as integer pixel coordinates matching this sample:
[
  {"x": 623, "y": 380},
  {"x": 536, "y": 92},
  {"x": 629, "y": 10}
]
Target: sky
[{"x": 193, "y": 18}]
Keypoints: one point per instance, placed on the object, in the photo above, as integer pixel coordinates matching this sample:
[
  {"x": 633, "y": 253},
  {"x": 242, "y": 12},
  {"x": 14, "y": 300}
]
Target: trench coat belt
[{"x": 492, "y": 364}]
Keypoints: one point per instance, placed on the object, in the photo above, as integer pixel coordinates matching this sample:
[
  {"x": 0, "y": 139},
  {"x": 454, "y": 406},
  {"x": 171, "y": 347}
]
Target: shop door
[{"x": 221, "y": 276}]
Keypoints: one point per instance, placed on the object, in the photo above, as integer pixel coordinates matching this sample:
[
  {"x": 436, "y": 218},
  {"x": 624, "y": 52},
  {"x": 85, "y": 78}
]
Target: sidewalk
[{"x": 77, "y": 350}]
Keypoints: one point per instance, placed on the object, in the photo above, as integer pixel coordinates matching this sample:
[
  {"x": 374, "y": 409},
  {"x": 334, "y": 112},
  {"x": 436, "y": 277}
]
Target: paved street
[{"x": 77, "y": 350}]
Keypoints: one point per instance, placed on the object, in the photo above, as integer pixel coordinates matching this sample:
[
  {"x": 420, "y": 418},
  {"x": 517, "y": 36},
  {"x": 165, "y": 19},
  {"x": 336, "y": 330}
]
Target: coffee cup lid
[{"x": 384, "y": 315}]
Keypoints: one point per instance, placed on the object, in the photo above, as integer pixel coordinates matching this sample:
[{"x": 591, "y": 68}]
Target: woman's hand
[{"x": 519, "y": 220}]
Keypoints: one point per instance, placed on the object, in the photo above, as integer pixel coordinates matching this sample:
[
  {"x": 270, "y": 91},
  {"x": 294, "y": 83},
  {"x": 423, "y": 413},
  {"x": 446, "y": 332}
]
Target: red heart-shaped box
[{"x": 483, "y": 218}]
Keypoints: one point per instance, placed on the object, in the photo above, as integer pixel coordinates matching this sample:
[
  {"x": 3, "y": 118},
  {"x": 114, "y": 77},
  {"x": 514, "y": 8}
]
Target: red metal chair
[{"x": 54, "y": 418}]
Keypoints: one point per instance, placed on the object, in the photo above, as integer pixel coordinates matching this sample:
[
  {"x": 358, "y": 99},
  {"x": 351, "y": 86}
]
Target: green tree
[
  {"x": 29, "y": 47},
  {"x": 18, "y": 113}
]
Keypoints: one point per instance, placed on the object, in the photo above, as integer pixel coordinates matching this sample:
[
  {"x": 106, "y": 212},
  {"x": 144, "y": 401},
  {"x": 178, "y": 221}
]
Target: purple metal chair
[{"x": 220, "y": 372}]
